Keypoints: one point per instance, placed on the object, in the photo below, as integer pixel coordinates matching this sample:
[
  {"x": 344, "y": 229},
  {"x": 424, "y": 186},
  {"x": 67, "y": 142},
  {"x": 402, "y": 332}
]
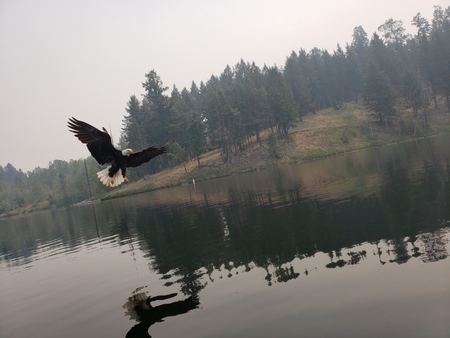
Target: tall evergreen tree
[
  {"x": 157, "y": 107},
  {"x": 386, "y": 59},
  {"x": 297, "y": 83},
  {"x": 196, "y": 133},
  {"x": 282, "y": 106},
  {"x": 378, "y": 94},
  {"x": 220, "y": 118},
  {"x": 318, "y": 79},
  {"x": 353, "y": 73},
  {"x": 312, "y": 80},
  {"x": 360, "y": 45},
  {"x": 134, "y": 125},
  {"x": 440, "y": 51},
  {"x": 342, "y": 89}
]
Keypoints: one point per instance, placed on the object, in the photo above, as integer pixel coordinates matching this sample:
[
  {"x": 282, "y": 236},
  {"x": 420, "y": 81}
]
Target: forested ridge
[{"x": 388, "y": 72}]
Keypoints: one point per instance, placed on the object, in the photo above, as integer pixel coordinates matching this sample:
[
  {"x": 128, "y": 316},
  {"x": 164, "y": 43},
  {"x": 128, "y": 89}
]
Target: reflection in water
[
  {"x": 139, "y": 308},
  {"x": 434, "y": 246},
  {"x": 391, "y": 208},
  {"x": 265, "y": 225},
  {"x": 260, "y": 228},
  {"x": 354, "y": 258}
]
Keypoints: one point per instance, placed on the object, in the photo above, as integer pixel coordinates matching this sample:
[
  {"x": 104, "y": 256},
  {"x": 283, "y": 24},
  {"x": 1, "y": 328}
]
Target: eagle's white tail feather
[{"x": 114, "y": 181}]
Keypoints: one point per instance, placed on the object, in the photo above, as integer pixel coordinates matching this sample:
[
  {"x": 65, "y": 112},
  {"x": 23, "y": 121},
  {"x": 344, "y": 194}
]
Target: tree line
[
  {"x": 189, "y": 242},
  {"x": 231, "y": 110}
]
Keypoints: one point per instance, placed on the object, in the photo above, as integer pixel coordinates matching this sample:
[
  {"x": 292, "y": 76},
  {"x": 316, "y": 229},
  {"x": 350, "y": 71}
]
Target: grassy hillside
[{"x": 329, "y": 132}]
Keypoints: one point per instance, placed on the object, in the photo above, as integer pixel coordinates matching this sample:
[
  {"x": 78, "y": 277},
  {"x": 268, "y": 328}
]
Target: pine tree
[
  {"x": 281, "y": 102},
  {"x": 297, "y": 83},
  {"x": 378, "y": 94}
]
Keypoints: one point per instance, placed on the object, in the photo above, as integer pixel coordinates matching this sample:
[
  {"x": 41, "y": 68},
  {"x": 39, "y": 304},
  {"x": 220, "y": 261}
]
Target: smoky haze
[{"x": 85, "y": 59}]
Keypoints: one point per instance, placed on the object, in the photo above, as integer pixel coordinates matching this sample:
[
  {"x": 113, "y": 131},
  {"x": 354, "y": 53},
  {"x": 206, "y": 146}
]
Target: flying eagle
[{"x": 99, "y": 144}]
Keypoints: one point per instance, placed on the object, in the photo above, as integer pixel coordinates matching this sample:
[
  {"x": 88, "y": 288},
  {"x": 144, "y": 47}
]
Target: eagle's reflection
[{"x": 139, "y": 308}]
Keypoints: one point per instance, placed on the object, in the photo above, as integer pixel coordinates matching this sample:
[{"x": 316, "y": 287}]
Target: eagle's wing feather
[
  {"x": 145, "y": 155},
  {"x": 98, "y": 142}
]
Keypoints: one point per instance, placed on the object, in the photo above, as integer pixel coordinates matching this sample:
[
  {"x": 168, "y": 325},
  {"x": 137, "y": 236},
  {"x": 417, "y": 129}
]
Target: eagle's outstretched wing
[
  {"x": 145, "y": 155},
  {"x": 97, "y": 141}
]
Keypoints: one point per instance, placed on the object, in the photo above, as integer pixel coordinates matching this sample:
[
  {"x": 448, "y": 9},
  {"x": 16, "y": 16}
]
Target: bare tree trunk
[
  {"x": 426, "y": 119},
  {"x": 258, "y": 138}
]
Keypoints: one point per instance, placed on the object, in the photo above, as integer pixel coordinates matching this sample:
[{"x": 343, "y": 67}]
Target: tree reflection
[
  {"x": 434, "y": 246},
  {"x": 285, "y": 274},
  {"x": 267, "y": 226},
  {"x": 401, "y": 254},
  {"x": 356, "y": 257},
  {"x": 379, "y": 252},
  {"x": 263, "y": 230}
]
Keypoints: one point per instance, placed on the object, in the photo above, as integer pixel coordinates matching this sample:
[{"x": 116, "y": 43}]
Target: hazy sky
[{"x": 86, "y": 58}]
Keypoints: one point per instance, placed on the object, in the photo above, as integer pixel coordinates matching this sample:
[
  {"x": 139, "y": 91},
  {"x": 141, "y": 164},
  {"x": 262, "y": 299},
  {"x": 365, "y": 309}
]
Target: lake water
[{"x": 355, "y": 245}]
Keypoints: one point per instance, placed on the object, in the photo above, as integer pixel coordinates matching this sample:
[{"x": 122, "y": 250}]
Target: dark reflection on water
[
  {"x": 390, "y": 204},
  {"x": 139, "y": 307},
  {"x": 257, "y": 229}
]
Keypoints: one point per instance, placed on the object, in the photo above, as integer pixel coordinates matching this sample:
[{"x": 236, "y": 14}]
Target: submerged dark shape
[
  {"x": 100, "y": 145},
  {"x": 139, "y": 308}
]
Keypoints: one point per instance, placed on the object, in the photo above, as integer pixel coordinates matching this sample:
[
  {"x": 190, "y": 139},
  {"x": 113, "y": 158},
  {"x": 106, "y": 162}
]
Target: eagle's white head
[{"x": 127, "y": 152}]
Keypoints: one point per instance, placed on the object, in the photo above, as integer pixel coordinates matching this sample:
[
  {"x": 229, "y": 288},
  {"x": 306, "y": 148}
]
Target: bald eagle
[{"x": 99, "y": 144}]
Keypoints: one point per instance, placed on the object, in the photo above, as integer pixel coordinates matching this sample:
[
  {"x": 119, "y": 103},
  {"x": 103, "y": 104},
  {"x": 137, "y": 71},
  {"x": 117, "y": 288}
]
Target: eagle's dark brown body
[{"x": 99, "y": 144}]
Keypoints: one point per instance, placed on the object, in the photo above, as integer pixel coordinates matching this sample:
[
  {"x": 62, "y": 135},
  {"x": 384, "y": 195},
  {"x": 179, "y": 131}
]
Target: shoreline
[
  {"x": 318, "y": 136},
  {"x": 327, "y": 133}
]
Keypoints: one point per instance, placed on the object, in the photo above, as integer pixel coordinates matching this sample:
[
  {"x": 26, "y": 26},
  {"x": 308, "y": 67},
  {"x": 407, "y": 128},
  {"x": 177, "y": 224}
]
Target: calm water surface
[{"x": 350, "y": 246}]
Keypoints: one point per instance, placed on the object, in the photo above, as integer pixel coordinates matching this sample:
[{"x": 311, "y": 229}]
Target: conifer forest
[{"x": 385, "y": 71}]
